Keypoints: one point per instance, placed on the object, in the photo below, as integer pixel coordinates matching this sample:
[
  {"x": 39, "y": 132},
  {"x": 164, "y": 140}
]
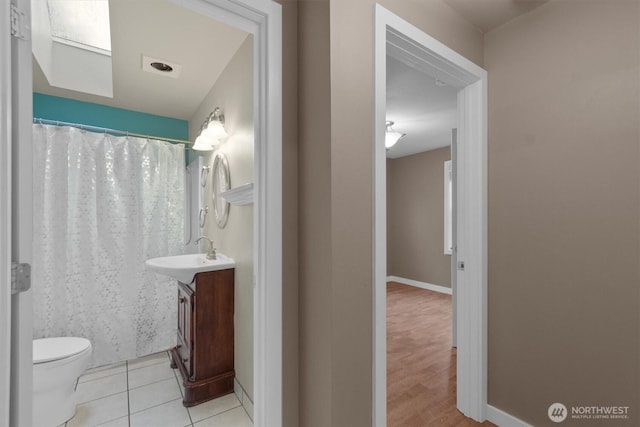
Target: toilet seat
[{"x": 51, "y": 349}]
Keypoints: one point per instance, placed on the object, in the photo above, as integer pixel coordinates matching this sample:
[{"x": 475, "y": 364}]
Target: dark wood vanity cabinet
[
  {"x": 204, "y": 349},
  {"x": 185, "y": 319}
]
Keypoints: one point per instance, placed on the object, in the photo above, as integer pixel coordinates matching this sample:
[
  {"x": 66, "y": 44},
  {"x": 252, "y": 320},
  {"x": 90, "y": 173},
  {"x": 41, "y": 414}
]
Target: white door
[{"x": 16, "y": 215}]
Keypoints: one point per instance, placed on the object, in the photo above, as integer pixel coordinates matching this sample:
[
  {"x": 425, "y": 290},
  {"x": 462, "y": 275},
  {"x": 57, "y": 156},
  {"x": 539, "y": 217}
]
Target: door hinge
[
  {"x": 20, "y": 277},
  {"x": 20, "y": 23}
]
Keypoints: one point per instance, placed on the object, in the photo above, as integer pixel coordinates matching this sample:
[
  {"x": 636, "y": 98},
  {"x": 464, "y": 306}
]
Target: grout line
[
  {"x": 98, "y": 369},
  {"x": 178, "y": 377},
  {"x": 102, "y": 397},
  {"x": 159, "y": 404},
  {"x": 242, "y": 401},
  {"x": 108, "y": 422},
  {"x": 147, "y": 365},
  {"x": 247, "y": 412},
  {"x": 152, "y": 382},
  {"x": 126, "y": 365},
  {"x": 189, "y": 414},
  {"x": 220, "y": 413},
  {"x": 98, "y": 379},
  {"x": 155, "y": 382},
  {"x": 176, "y": 374}
]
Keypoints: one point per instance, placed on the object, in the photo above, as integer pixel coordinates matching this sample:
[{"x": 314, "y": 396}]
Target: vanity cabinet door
[
  {"x": 186, "y": 304},
  {"x": 204, "y": 351},
  {"x": 213, "y": 330}
]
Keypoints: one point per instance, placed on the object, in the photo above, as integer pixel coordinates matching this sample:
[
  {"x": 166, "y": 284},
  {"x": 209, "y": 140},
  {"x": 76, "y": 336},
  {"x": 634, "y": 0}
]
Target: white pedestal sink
[{"x": 185, "y": 267}]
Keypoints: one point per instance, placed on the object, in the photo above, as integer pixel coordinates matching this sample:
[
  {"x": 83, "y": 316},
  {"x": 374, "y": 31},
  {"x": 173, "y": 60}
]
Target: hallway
[{"x": 421, "y": 365}]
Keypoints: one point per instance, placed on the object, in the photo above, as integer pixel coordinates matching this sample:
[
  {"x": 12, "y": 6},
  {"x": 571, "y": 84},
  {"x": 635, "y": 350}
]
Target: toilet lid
[{"x": 49, "y": 349}]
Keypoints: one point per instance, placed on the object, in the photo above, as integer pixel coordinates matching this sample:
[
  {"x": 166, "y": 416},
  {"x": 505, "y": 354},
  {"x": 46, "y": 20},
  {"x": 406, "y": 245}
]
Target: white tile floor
[{"x": 146, "y": 392}]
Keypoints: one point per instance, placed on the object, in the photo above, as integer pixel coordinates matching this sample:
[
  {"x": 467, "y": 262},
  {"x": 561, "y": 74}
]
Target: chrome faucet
[{"x": 211, "y": 253}]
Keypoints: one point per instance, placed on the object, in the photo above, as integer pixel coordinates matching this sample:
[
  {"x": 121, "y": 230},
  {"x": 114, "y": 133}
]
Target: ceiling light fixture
[
  {"x": 211, "y": 131},
  {"x": 391, "y": 136},
  {"x": 161, "y": 66}
]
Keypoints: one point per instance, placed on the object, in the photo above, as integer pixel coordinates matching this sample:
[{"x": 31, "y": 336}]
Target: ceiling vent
[{"x": 161, "y": 67}]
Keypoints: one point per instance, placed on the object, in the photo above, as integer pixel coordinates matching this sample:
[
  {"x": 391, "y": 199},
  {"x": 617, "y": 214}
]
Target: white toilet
[{"x": 57, "y": 364}]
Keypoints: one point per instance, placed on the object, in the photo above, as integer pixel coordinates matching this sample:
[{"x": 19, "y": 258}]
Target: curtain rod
[{"x": 107, "y": 130}]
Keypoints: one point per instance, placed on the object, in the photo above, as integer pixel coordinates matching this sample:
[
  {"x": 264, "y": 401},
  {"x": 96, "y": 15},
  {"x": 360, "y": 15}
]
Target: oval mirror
[{"x": 220, "y": 183}]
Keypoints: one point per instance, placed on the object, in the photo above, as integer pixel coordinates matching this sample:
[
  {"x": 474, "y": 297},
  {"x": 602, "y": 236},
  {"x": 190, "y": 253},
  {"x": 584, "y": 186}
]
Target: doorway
[
  {"x": 421, "y": 358},
  {"x": 398, "y": 38},
  {"x": 262, "y": 19}
]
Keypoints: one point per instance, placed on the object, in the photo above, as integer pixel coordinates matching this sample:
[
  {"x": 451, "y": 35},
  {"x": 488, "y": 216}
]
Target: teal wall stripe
[{"x": 86, "y": 113}]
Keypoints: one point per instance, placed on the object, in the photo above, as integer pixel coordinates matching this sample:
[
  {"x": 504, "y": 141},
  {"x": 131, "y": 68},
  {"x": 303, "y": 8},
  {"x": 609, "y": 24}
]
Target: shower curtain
[{"x": 102, "y": 206}]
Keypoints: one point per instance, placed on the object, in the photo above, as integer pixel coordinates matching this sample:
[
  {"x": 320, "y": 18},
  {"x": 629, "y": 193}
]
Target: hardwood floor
[{"x": 421, "y": 364}]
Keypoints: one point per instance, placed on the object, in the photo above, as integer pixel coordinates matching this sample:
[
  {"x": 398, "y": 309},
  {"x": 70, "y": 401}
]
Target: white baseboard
[
  {"x": 502, "y": 419},
  {"x": 423, "y": 285}
]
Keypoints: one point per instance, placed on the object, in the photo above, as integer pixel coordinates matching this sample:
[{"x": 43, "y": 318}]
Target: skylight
[{"x": 81, "y": 23}]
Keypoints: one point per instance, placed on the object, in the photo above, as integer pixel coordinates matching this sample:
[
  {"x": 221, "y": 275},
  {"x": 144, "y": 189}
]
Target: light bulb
[
  {"x": 215, "y": 130},
  {"x": 202, "y": 143},
  {"x": 391, "y": 138}
]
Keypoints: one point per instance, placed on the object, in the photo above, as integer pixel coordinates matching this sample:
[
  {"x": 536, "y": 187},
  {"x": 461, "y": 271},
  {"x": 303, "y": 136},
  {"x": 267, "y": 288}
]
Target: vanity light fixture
[
  {"x": 211, "y": 131},
  {"x": 391, "y": 136}
]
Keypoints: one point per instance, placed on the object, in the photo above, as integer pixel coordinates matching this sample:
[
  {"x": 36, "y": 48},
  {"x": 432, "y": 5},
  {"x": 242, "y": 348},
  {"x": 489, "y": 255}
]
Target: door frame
[
  {"x": 397, "y": 37},
  {"x": 262, "y": 19},
  {"x": 19, "y": 98},
  {"x": 5, "y": 213},
  {"x": 454, "y": 237}
]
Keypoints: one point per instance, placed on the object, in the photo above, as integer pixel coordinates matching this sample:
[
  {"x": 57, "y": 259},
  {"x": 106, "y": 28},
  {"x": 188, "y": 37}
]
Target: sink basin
[{"x": 185, "y": 267}]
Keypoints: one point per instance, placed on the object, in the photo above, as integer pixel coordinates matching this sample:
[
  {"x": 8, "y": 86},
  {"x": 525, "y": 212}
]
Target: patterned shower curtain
[{"x": 102, "y": 206}]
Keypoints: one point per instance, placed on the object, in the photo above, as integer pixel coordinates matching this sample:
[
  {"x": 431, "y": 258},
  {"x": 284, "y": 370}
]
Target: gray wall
[
  {"x": 290, "y": 329},
  {"x": 563, "y": 204},
  {"x": 233, "y": 93},
  {"x": 564, "y": 301},
  {"x": 335, "y": 196},
  {"x": 315, "y": 215},
  {"x": 415, "y": 218}
]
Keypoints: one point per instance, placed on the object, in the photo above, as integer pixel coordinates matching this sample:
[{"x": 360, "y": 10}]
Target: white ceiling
[
  {"x": 166, "y": 31},
  {"x": 158, "y": 28},
  {"x": 489, "y": 14},
  {"x": 423, "y": 110}
]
